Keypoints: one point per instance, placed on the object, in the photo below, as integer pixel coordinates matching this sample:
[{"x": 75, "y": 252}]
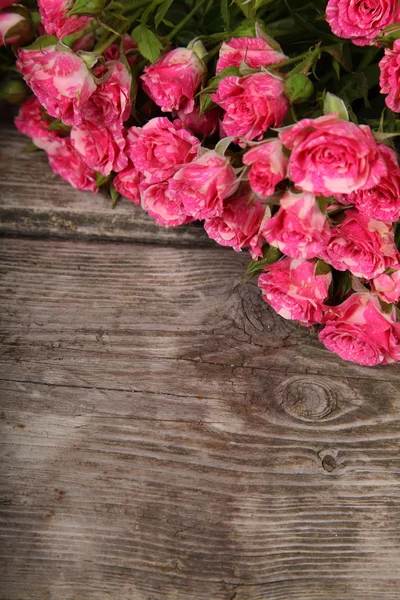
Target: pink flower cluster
[{"x": 322, "y": 192}]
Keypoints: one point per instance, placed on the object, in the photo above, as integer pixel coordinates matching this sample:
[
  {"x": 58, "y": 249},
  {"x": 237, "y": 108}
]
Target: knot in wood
[{"x": 306, "y": 398}]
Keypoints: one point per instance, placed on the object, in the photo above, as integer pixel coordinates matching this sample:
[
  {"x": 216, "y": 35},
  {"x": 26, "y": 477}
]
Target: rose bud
[
  {"x": 361, "y": 21},
  {"x": 13, "y": 92},
  {"x": 239, "y": 224},
  {"x": 127, "y": 184},
  {"x": 252, "y": 104},
  {"x": 268, "y": 167},
  {"x": 167, "y": 212},
  {"x": 111, "y": 102},
  {"x": 101, "y": 148},
  {"x": 174, "y": 79},
  {"x": 55, "y": 18},
  {"x": 293, "y": 290},
  {"x": 390, "y": 76},
  {"x": 254, "y": 52},
  {"x": 332, "y": 156},
  {"x": 381, "y": 202},
  {"x": 203, "y": 185},
  {"x": 387, "y": 285},
  {"x": 299, "y": 229},
  {"x": 31, "y": 122},
  {"x": 361, "y": 245},
  {"x": 160, "y": 148},
  {"x": 59, "y": 78},
  {"x": 15, "y": 28},
  {"x": 358, "y": 331},
  {"x": 298, "y": 88}
]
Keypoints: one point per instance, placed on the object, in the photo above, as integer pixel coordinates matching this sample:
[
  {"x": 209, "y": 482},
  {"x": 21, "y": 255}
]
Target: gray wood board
[
  {"x": 36, "y": 201},
  {"x": 166, "y": 436}
]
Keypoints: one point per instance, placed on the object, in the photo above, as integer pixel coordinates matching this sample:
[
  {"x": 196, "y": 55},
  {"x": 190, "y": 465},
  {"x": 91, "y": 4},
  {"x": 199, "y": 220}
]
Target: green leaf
[
  {"x": 386, "y": 308},
  {"x": 148, "y": 43},
  {"x": 115, "y": 196},
  {"x": 206, "y": 103},
  {"x": 43, "y": 42},
  {"x": 101, "y": 179},
  {"x": 322, "y": 268},
  {"x": 88, "y": 7},
  {"x": 225, "y": 13},
  {"x": 214, "y": 82},
  {"x": 58, "y": 125},
  {"x": 270, "y": 256},
  {"x": 161, "y": 12}
]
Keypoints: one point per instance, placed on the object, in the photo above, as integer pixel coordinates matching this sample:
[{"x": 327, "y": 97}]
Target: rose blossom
[
  {"x": 173, "y": 80},
  {"x": 362, "y": 245},
  {"x": 55, "y": 20},
  {"x": 127, "y": 184},
  {"x": 203, "y": 185},
  {"x": 157, "y": 201},
  {"x": 113, "y": 52},
  {"x": 160, "y": 148},
  {"x": 381, "y": 202},
  {"x": 361, "y": 21},
  {"x": 299, "y": 228},
  {"x": 239, "y": 224},
  {"x": 255, "y": 52},
  {"x": 389, "y": 79},
  {"x": 111, "y": 102},
  {"x": 387, "y": 285},
  {"x": 252, "y": 104},
  {"x": 60, "y": 80},
  {"x": 332, "y": 156},
  {"x": 14, "y": 28},
  {"x": 358, "y": 331},
  {"x": 268, "y": 167},
  {"x": 69, "y": 165},
  {"x": 101, "y": 148},
  {"x": 203, "y": 125},
  {"x": 31, "y": 122},
  {"x": 294, "y": 291}
]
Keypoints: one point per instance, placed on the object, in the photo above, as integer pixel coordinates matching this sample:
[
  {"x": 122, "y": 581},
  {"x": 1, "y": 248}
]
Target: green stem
[
  {"x": 103, "y": 45},
  {"x": 70, "y": 39},
  {"x": 128, "y": 6},
  {"x": 182, "y": 24},
  {"x": 289, "y": 61},
  {"x": 100, "y": 48}
]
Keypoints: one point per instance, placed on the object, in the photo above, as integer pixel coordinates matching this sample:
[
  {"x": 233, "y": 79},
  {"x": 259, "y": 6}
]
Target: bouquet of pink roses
[{"x": 272, "y": 121}]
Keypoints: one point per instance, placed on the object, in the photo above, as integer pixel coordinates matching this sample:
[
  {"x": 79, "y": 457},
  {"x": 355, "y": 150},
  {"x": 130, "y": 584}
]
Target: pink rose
[
  {"x": 294, "y": 291},
  {"x": 160, "y": 148},
  {"x": 299, "y": 229},
  {"x": 390, "y": 76},
  {"x": 55, "y": 20},
  {"x": 127, "y": 184},
  {"x": 358, "y": 331},
  {"x": 362, "y": 245},
  {"x": 31, "y": 122},
  {"x": 381, "y": 202},
  {"x": 68, "y": 164},
  {"x": 60, "y": 80},
  {"x": 387, "y": 285},
  {"x": 268, "y": 167},
  {"x": 173, "y": 80},
  {"x": 255, "y": 52},
  {"x": 332, "y": 156},
  {"x": 203, "y": 185},
  {"x": 361, "y": 21},
  {"x": 113, "y": 52},
  {"x": 101, "y": 148},
  {"x": 156, "y": 200},
  {"x": 14, "y": 29},
  {"x": 203, "y": 125},
  {"x": 111, "y": 102},
  {"x": 252, "y": 104},
  {"x": 239, "y": 224}
]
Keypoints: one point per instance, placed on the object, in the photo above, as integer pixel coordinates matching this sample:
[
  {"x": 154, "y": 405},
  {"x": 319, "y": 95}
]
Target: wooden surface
[{"x": 166, "y": 436}]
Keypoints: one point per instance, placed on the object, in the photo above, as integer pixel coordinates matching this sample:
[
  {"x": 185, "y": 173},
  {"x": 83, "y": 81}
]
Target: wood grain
[
  {"x": 165, "y": 436},
  {"x": 36, "y": 201}
]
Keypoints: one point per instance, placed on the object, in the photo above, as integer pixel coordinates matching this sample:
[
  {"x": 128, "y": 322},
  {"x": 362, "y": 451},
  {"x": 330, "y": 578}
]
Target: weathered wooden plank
[
  {"x": 35, "y": 201},
  {"x": 167, "y": 437}
]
